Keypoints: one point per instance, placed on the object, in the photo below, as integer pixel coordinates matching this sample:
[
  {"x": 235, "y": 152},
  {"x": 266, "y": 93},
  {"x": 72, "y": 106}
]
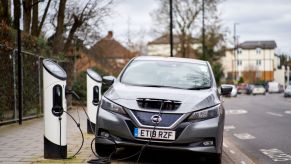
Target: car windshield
[
  {"x": 259, "y": 86},
  {"x": 181, "y": 75}
]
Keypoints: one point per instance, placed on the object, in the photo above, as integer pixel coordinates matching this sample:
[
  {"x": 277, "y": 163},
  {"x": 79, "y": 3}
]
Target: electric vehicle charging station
[
  {"x": 94, "y": 83},
  {"x": 55, "y": 120}
]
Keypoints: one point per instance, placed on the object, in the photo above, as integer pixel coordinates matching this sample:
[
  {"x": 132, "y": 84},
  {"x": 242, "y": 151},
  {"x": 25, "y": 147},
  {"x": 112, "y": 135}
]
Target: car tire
[{"x": 215, "y": 158}]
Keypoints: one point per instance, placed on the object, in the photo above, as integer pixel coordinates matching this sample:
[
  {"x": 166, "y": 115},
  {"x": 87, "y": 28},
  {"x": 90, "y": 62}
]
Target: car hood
[{"x": 192, "y": 100}]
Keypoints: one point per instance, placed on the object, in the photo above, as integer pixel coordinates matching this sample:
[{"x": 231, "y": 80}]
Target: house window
[
  {"x": 258, "y": 62},
  {"x": 258, "y": 50},
  {"x": 239, "y": 62},
  {"x": 239, "y": 51}
]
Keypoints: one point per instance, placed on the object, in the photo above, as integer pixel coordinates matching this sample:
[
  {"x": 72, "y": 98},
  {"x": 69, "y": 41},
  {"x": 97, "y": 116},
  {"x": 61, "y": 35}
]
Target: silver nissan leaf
[{"x": 173, "y": 103}]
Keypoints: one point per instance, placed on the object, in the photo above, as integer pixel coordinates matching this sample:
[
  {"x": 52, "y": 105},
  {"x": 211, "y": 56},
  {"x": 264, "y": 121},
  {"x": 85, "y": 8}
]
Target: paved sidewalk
[{"x": 24, "y": 143}]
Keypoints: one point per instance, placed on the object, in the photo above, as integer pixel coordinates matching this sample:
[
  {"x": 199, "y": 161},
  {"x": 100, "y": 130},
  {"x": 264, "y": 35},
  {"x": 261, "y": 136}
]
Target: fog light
[
  {"x": 105, "y": 134},
  {"x": 207, "y": 143}
]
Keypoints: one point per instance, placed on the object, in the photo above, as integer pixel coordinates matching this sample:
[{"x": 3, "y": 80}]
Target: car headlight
[
  {"x": 205, "y": 114},
  {"x": 111, "y": 106}
]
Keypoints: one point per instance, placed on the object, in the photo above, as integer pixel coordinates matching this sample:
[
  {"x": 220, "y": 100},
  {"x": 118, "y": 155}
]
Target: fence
[{"x": 31, "y": 82}]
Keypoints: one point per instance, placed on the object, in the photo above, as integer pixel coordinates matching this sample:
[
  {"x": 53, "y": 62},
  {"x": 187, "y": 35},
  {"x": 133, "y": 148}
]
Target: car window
[{"x": 181, "y": 75}]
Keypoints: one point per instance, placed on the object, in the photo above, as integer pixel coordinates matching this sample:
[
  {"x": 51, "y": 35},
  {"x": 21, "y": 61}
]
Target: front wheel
[{"x": 215, "y": 158}]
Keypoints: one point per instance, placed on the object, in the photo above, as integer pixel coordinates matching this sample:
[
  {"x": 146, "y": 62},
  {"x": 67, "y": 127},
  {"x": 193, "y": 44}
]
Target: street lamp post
[
  {"x": 234, "y": 49},
  {"x": 264, "y": 63},
  {"x": 203, "y": 30},
  {"x": 171, "y": 28},
  {"x": 19, "y": 70},
  {"x": 19, "y": 66}
]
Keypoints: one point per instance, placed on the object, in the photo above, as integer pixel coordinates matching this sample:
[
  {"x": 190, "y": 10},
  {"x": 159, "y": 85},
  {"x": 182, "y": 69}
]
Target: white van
[{"x": 274, "y": 87}]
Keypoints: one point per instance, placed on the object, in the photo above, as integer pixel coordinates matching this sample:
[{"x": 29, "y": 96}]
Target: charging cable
[
  {"x": 156, "y": 124},
  {"x": 68, "y": 91},
  {"x": 78, "y": 125},
  {"x": 106, "y": 160},
  {"x": 100, "y": 160}
]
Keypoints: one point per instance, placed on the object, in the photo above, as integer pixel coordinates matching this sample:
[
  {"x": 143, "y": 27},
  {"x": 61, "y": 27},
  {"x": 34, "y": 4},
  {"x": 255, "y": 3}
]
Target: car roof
[
  {"x": 177, "y": 59},
  {"x": 229, "y": 85}
]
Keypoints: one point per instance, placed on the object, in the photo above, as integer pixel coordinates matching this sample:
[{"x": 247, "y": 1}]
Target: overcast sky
[{"x": 257, "y": 19}]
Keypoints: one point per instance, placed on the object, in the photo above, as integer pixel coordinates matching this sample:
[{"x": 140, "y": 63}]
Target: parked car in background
[
  {"x": 281, "y": 88},
  {"x": 249, "y": 89},
  {"x": 287, "y": 92},
  {"x": 233, "y": 91},
  {"x": 259, "y": 90},
  {"x": 274, "y": 87},
  {"x": 241, "y": 88}
]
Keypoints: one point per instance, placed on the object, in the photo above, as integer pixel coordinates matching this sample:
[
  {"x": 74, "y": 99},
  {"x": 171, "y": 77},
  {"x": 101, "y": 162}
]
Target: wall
[
  {"x": 248, "y": 67},
  {"x": 158, "y": 50},
  {"x": 279, "y": 75}
]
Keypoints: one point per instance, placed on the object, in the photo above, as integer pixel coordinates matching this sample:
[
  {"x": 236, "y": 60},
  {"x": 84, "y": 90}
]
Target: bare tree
[
  {"x": 58, "y": 37},
  {"x": 38, "y": 31},
  {"x": 84, "y": 22},
  {"x": 186, "y": 15},
  {"x": 34, "y": 23},
  {"x": 27, "y": 15}
]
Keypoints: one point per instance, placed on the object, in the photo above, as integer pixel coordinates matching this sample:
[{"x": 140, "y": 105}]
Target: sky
[{"x": 256, "y": 20}]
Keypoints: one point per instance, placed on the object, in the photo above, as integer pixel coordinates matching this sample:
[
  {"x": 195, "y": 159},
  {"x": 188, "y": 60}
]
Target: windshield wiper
[
  {"x": 157, "y": 86},
  {"x": 160, "y": 86},
  {"x": 199, "y": 88}
]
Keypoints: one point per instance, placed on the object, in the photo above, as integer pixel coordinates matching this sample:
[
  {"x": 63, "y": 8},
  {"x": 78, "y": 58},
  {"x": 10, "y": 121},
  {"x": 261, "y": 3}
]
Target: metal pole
[
  {"x": 20, "y": 75},
  {"x": 203, "y": 30},
  {"x": 39, "y": 87},
  {"x": 14, "y": 85},
  {"x": 288, "y": 71},
  {"x": 264, "y": 63},
  {"x": 171, "y": 28},
  {"x": 234, "y": 50},
  {"x": 19, "y": 70}
]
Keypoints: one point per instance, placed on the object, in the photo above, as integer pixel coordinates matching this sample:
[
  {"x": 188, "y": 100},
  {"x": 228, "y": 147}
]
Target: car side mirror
[
  {"x": 225, "y": 90},
  {"x": 108, "y": 80}
]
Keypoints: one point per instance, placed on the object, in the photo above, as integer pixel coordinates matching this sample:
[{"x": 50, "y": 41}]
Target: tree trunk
[
  {"x": 26, "y": 16},
  {"x": 183, "y": 44},
  {"x": 34, "y": 24},
  {"x": 16, "y": 13},
  {"x": 70, "y": 38},
  {"x": 4, "y": 11},
  {"x": 58, "y": 40},
  {"x": 43, "y": 18}
]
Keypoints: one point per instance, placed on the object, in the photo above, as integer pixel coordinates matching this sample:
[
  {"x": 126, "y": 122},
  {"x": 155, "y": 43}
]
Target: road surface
[{"x": 260, "y": 126}]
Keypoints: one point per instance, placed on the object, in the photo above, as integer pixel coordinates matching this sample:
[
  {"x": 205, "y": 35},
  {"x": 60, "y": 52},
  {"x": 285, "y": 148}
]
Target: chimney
[{"x": 110, "y": 35}]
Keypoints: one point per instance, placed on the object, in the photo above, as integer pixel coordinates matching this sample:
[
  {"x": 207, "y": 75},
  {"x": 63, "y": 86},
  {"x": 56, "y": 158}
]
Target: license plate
[{"x": 157, "y": 134}]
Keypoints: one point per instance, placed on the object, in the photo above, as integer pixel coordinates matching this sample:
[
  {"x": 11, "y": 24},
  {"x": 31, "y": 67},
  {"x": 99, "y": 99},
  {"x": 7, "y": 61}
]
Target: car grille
[
  {"x": 147, "y": 103},
  {"x": 168, "y": 119}
]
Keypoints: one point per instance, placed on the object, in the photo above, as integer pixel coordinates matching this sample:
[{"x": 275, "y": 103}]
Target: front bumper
[{"x": 189, "y": 135}]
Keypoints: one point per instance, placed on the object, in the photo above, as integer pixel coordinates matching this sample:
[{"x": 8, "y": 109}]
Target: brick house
[{"x": 107, "y": 53}]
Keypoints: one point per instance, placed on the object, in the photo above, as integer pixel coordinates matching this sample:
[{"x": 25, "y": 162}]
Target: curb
[{"x": 234, "y": 153}]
